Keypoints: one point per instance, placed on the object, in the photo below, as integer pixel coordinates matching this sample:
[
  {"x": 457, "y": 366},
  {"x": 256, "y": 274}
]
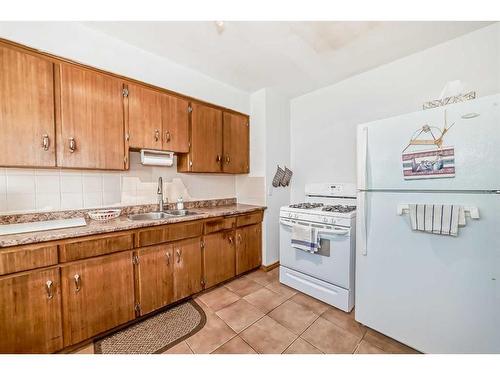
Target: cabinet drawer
[
  {"x": 97, "y": 245},
  {"x": 26, "y": 258},
  {"x": 220, "y": 223},
  {"x": 167, "y": 233},
  {"x": 248, "y": 219}
]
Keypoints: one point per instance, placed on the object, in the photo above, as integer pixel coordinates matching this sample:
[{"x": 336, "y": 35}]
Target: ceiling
[{"x": 292, "y": 57}]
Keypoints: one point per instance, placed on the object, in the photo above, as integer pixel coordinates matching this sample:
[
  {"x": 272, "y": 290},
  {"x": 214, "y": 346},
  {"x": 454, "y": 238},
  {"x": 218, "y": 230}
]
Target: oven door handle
[{"x": 338, "y": 232}]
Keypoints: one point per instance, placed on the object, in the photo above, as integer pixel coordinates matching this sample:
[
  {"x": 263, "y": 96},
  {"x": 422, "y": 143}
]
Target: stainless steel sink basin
[
  {"x": 161, "y": 215},
  {"x": 150, "y": 216},
  {"x": 180, "y": 212}
]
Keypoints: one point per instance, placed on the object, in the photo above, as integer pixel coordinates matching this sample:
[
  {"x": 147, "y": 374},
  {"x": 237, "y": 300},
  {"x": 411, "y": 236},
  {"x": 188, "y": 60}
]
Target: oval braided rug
[{"x": 156, "y": 333}]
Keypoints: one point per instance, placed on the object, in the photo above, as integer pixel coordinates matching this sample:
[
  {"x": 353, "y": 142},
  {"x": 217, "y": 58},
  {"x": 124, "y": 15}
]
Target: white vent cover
[{"x": 160, "y": 158}]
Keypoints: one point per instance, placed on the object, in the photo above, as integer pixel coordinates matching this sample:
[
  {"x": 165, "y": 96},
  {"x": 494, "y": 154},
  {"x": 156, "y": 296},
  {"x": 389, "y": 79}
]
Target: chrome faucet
[{"x": 159, "y": 193}]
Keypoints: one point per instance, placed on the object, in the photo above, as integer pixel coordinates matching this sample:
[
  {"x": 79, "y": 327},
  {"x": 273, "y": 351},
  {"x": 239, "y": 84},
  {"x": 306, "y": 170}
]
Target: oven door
[{"x": 332, "y": 263}]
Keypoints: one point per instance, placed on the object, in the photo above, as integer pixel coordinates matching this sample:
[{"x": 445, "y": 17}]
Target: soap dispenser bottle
[{"x": 180, "y": 203}]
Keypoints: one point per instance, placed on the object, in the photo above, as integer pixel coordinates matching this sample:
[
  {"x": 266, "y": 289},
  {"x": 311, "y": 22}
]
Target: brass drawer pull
[
  {"x": 78, "y": 283},
  {"x": 179, "y": 254},
  {"x": 239, "y": 238},
  {"x": 230, "y": 239},
  {"x": 157, "y": 135},
  {"x": 48, "y": 288},
  {"x": 218, "y": 159},
  {"x": 45, "y": 142},
  {"x": 167, "y": 136},
  {"x": 72, "y": 145},
  {"x": 168, "y": 259},
  {"x": 228, "y": 159}
]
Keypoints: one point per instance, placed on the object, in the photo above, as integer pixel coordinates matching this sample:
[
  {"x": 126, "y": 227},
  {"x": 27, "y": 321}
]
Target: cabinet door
[
  {"x": 30, "y": 312},
  {"x": 144, "y": 117},
  {"x": 27, "y": 128},
  {"x": 236, "y": 144},
  {"x": 155, "y": 277},
  {"x": 91, "y": 130},
  {"x": 175, "y": 124},
  {"x": 187, "y": 267},
  {"x": 248, "y": 248},
  {"x": 98, "y": 294},
  {"x": 206, "y": 139},
  {"x": 219, "y": 257}
]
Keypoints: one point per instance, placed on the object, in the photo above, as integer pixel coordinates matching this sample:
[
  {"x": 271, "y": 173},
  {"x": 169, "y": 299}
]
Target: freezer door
[
  {"x": 437, "y": 294},
  {"x": 476, "y": 141}
]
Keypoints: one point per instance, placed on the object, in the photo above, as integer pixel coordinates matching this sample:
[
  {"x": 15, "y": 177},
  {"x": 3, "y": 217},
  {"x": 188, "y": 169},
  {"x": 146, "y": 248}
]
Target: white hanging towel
[
  {"x": 305, "y": 238},
  {"x": 441, "y": 219}
]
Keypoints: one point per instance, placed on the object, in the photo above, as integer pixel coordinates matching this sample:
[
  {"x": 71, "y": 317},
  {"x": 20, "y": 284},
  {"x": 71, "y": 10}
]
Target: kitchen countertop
[{"x": 120, "y": 224}]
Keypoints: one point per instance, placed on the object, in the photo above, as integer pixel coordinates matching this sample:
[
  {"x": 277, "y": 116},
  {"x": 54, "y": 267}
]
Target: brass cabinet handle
[
  {"x": 228, "y": 159},
  {"x": 157, "y": 135},
  {"x": 72, "y": 144},
  {"x": 167, "y": 136},
  {"x": 239, "y": 238},
  {"x": 230, "y": 238},
  {"x": 48, "y": 288},
  {"x": 45, "y": 142},
  {"x": 168, "y": 259},
  {"x": 179, "y": 254},
  {"x": 78, "y": 282},
  {"x": 218, "y": 159}
]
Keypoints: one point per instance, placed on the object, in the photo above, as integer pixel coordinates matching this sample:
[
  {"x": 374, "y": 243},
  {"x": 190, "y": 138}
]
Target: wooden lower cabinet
[
  {"x": 154, "y": 277},
  {"x": 248, "y": 248},
  {"x": 187, "y": 267},
  {"x": 91, "y": 290},
  {"x": 30, "y": 312},
  {"x": 219, "y": 257},
  {"x": 97, "y": 294}
]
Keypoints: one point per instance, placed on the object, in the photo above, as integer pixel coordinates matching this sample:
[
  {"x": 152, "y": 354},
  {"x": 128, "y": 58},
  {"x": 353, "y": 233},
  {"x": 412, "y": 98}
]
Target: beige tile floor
[{"x": 256, "y": 314}]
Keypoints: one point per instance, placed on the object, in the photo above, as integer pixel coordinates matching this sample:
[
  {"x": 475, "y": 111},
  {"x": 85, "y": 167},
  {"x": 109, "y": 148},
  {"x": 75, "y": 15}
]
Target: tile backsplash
[{"x": 30, "y": 190}]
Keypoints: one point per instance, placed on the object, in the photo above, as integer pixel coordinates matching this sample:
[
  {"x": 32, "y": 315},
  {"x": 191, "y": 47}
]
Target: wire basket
[{"x": 104, "y": 215}]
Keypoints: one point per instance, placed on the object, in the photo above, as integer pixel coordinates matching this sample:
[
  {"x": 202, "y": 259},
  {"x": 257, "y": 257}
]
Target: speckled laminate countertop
[{"x": 120, "y": 224}]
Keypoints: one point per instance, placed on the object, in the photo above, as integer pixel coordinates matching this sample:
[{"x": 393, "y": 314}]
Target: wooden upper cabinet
[
  {"x": 206, "y": 141},
  {"x": 90, "y": 132},
  {"x": 30, "y": 312},
  {"x": 98, "y": 294},
  {"x": 27, "y": 127},
  {"x": 144, "y": 117},
  {"x": 154, "y": 274},
  {"x": 175, "y": 113},
  {"x": 236, "y": 132}
]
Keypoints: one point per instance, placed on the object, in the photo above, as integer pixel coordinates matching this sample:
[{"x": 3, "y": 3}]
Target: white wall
[
  {"x": 269, "y": 145},
  {"x": 24, "y": 190},
  {"x": 323, "y": 123},
  {"x": 277, "y": 152}
]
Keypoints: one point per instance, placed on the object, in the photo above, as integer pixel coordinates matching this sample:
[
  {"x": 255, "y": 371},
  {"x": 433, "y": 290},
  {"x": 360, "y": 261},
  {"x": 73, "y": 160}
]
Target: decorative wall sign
[
  {"x": 450, "y": 100},
  {"x": 435, "y": 163}
]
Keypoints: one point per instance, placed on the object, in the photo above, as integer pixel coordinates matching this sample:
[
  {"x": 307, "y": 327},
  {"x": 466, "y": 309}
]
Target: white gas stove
[{"x": 328, "y": 274}]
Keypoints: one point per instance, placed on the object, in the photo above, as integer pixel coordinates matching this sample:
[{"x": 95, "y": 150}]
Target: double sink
[{"x": 158, "y": 215}]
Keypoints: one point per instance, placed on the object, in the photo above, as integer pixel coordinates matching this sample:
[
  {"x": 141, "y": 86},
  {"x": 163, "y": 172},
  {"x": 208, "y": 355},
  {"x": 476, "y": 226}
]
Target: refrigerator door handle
[
  {"x": 362, "y": 157},
  {"x": 361, "y": 235}
]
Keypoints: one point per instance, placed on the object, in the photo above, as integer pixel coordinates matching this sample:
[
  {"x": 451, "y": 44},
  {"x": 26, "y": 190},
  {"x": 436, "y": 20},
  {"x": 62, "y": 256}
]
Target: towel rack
[{"x": 472, "y": 211}]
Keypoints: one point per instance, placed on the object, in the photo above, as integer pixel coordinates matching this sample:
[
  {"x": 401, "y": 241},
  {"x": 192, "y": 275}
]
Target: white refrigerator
[{"x": 435, "y": 293}]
